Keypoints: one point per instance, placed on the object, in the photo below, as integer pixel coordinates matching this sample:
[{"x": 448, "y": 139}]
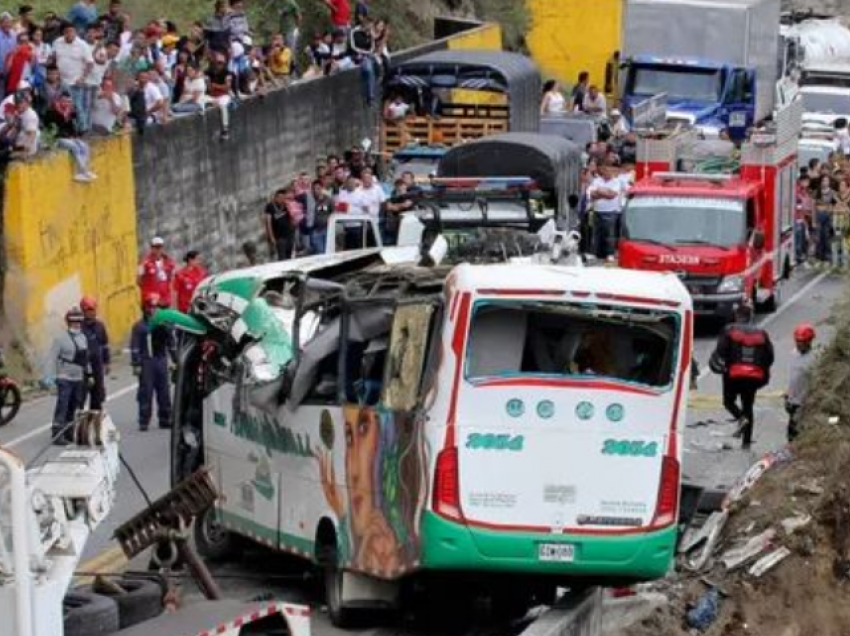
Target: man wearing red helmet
[
  {"x": 187, "y": 279},
  {"x": 798, "y": 377},
  {"x": 150, "y": 350},
  {"x": 156, "y": 273},
  {"x": 99, "y": 357}
]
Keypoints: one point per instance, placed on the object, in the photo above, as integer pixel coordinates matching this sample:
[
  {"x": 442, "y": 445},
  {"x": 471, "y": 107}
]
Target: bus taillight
[
  {"x": 446, "y": 501},
  {"x": 668, "y": 494}
]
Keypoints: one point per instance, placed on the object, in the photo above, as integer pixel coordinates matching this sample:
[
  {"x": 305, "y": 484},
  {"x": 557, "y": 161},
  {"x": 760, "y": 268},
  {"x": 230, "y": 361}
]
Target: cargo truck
[{"x": 716, "y": 60}]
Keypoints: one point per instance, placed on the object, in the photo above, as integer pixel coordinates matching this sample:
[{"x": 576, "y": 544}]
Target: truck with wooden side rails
[{"x": 722, "y": 223}]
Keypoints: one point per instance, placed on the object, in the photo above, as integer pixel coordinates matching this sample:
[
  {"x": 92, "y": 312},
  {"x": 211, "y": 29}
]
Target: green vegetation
[{"x": 411, "y": 20}]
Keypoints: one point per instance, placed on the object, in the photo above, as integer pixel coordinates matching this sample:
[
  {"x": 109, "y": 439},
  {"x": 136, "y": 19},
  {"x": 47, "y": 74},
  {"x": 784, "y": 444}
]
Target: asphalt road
[{"x": 712, "y": 457}]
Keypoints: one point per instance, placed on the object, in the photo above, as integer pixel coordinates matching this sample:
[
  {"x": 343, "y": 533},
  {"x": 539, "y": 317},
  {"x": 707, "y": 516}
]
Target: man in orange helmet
[
  {"x": 99, "y": 357},
  {"x": 151, "y": 347},
  {"x": 798, "y": 378}
]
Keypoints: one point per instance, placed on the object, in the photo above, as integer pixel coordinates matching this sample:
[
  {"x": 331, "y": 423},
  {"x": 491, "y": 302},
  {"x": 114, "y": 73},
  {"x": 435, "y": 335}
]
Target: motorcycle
[{"x": 10, "y": 395}]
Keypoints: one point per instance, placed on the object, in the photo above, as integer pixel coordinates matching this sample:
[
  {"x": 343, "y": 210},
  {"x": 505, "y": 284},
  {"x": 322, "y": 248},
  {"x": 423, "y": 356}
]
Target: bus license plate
[{"x": 556, "y": 552}]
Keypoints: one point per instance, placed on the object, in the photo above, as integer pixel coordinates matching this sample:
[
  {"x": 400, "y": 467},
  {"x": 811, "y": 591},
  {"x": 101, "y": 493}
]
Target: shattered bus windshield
[{"x": 509, "y": 339}]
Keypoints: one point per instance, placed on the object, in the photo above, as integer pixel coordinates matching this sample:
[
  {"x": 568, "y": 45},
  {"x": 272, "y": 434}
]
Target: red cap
[
  {"x": 88, "y": 303},
  {"x": 151, "y": 300},
  {"x": 804, "y": 332}
]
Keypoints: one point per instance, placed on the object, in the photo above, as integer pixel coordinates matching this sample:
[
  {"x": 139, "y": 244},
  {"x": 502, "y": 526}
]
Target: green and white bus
[{"x": 519, "y": 422}]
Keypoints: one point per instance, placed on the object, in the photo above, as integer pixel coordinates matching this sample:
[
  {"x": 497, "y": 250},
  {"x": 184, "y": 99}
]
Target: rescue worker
[
  {"x": 743, "y": 356},
  {"x": 150, "y": 350},
  {"x": 187, "y": 279},
  {"x": 798, "y": 380},
  {"x": 156, "y": 273},
  {"x": 97, "y": 339},
  {"x": 67, "y": 368}
]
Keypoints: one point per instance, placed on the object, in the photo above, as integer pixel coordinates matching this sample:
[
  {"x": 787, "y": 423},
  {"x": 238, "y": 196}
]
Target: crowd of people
[
  {"x": 295, "y": 220},
  {"x": 822, "y": 223},
  {"x": 65, "y": 78}
]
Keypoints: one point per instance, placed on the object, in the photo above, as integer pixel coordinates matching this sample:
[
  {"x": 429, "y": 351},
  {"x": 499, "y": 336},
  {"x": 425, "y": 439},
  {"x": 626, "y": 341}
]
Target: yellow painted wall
[
  {"x": 66, "y": 240},
  {"x": 484, "y": 38},
  {"x": 570, "y": 36}
]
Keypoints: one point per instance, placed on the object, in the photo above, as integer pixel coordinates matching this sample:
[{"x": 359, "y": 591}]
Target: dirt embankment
[{"x": 808, "y": 592}]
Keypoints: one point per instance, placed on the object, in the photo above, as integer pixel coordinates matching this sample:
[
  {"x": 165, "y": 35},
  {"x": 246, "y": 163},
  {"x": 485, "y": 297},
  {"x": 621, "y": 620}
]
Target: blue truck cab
[{"x": 710, "y": 95}]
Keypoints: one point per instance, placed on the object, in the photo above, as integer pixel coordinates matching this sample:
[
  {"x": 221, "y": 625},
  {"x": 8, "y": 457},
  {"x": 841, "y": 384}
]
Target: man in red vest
[
  {"x": 187, "y": 279},
  {"x": 156, "y": 273},
  {"x": 743, "y": 356}
]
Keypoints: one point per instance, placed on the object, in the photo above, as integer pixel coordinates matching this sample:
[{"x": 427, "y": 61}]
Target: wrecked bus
[{"x": 515, "y": 423}]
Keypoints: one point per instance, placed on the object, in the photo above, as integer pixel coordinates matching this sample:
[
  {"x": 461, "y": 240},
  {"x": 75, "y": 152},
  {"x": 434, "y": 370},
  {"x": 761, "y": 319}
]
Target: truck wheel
[
  {"x": 138, "y": 599},
  {"x": 212, "y": 540},
  {"x": 88, "y": 614}
]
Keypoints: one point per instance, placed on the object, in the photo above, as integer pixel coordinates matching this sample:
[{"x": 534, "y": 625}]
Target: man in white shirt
[
  {"x": 594, "y": 102},
  {"x": 108, "y": 109},
  {"x": 194, "y": 97},
  {"x": 606, "y": 193},
  {"x": 26, "y": 143},
  {"x": 75, "y": 62},
  {"x": 372, "y": 195},
  {"x": 154, "y": 100},
  {"x": 348, "y": 199}
]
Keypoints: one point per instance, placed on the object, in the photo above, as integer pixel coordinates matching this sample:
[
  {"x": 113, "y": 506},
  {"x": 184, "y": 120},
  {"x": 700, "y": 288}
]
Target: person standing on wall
[
  {"x": 187, "y": 279},
  {"x": 67, "y": 368},
  {"x": 151, "y": 348},
  {"x": 798, "y": 378},
  {"x": 743, "y": 356},
  {"x": 279, "y": 224},
  {"x": 156, "y": 273},
  {"x": 97, "y": 340}
]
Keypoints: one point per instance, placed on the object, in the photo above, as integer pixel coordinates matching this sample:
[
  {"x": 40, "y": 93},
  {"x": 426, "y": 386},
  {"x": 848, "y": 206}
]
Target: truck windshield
[
  {"x": 685, "y": 83},
  {"x": 832, "y": 103},
  {"x": 683, "y": 220},
  {"x": 564, "y": 340}
]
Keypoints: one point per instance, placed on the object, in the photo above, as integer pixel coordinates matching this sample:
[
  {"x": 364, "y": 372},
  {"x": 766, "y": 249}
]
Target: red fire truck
[{"x": 725, "y": 226}]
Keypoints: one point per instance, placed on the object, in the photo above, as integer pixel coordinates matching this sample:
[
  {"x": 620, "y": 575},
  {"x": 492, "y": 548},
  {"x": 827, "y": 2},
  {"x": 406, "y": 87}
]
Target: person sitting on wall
[{"x": 62, "y": 117}]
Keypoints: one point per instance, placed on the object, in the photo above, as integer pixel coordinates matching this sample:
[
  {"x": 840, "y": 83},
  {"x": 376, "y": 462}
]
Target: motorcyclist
[{"x": 67, "y": 368}]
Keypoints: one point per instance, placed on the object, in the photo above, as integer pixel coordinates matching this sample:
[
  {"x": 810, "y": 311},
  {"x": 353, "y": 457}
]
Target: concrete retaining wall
[
  {"x": 199, "y": 192},
  {"x": 65, "y": 240}
]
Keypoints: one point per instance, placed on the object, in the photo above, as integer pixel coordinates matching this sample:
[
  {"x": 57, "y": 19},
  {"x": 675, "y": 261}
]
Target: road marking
[
  {"x": 38, "y": 431},
  {"x": 781, "y": 309},
  {"x": 787, "y": 305}
]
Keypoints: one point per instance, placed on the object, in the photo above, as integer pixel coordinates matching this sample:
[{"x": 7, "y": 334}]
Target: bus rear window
[{"x": 534, "y": 339}]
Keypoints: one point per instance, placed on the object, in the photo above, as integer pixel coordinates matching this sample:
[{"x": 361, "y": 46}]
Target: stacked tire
[{"x": 127, "y": 601}]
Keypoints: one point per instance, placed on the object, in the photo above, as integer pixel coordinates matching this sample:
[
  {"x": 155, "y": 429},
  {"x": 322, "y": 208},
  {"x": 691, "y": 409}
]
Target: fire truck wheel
[
  {"x": 138, "y": 600},
  {"x": 212, "y": 540},
  {"x": 87, "y": 614}
]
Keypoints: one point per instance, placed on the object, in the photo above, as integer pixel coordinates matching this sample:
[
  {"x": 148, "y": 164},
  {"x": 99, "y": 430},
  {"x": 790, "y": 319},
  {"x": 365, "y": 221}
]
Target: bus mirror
[{"x": 758, "y": 240}]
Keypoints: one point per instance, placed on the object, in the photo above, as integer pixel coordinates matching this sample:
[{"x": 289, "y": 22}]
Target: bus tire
[
  {"x": 88, "y": 614},
  {"x": 212, "y": 540},
  {"x": 340, "y": 615}
]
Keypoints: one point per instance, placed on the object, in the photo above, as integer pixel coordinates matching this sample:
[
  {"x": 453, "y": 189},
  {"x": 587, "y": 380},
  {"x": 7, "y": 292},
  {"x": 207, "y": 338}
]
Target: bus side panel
[
  {"x": 246, "y": 475},
  {"x": 380, "y": 502}
]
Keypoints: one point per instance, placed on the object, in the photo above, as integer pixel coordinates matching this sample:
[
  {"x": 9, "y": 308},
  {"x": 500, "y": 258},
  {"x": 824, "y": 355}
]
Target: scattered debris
[
  {"x": 792, "y": 524},
  {"x": 751, "y": 477},
  {"x": 708, "y": 538},
  {"x": 811, "y": 487},
  {"x": 705, "y": 611},
  {"x": 739, "y": 555},
  {"x": 769, "y": 561}
]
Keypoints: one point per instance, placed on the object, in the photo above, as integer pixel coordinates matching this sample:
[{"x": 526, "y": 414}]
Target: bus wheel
[
  {"x": 212, "y": 540},
  {"x": 340, "y": 615}
]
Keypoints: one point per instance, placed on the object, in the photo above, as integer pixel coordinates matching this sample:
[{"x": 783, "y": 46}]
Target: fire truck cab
[{"x": 721, "y": 220}]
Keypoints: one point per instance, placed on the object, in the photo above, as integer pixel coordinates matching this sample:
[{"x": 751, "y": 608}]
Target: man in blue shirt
[
  {"x": 8, "y": 42},
  {"x": 82, "y": 15},
  {"x": 151, "y": 347}
]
